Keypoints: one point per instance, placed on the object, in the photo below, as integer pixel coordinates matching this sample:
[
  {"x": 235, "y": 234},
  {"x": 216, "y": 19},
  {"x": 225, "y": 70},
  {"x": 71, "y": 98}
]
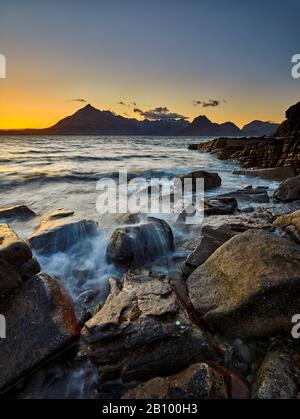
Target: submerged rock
[
  {"x": 143, "y": 331},
  {"x": 60, "y": 230},
  {"x": 139, "y": 244},
  {"x": 289, "y": 190},
  {"x": 16, "y": 262},
  {"x": 276, "y": 378},
  {"x": 40, "y": 323},
  {"x": 212, "y": 238},
  {"x": 211, "y": 180},
  {"x": 16, "y": 212},
  {"x": 250, "y": 286},
  {"x": 199, "y": 381},
  {"x": 290, "y": 223}
]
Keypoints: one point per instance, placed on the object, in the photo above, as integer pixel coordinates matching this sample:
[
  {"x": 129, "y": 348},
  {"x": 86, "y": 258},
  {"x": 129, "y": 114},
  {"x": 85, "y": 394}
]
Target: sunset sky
[{"x": 148, "y": 54}]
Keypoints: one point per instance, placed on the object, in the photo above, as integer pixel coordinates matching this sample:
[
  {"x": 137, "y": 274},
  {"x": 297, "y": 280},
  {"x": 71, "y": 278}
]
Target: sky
[{"x": 229, "y": 60}]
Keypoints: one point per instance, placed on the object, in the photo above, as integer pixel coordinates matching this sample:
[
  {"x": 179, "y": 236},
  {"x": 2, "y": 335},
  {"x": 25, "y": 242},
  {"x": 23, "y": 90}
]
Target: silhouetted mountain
[
  {"x": 202, "y": 126},
  {"x": 92, "y": 121},
  {"x": 259, "y": 129}
]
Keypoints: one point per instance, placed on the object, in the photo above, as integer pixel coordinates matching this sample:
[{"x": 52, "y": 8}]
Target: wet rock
[
  {"x": 273, "y": 173},
  {"x": 289, "y": 190},
  {"x": 258, "y": 195},
  {"x": 250, "y": 286},
  {"x": 211, "y": 180},
  {"x": 220, "y": 206},
  {"x": 143, "y": 332},
  {"x": 40, "y": 323},
  {"x": 212, "y": 239},
  {"x": 290, "y": 224},
  {"x": 140, "y": 244},
  {"x": 276, "y": 377},
  {"x": 16, "y": 262},
  {"x": 16, "y": 212},
  {"x": 60, "y": 230},
  {"x": 199, "y": 381}
]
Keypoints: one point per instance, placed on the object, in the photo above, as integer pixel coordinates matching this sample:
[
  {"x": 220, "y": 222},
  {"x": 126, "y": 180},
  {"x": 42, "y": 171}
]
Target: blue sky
[{"x": 165, "y": 53}]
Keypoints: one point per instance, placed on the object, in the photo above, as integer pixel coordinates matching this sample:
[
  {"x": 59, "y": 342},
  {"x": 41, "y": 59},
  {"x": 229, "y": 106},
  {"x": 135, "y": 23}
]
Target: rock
[
  {"x": 60, "y": 230},
  {"x": 211, "y": 180},
  {"x": 16, "y": 212},
  {"x": 276, "y": 378},
  {"x": 249, "y": 287},
  {"x": 258, "y": 195},
  {"x": 40, "y": 323},
  {"x": 273, "y": 173},
  {"x": 290, "y": 224},
  {"x": 16, "y": 262},
  {"x": 220, "y": 206},
  {"x": 281, "y": 150},
  {"x": 212, "y": 238},
  {"x": 199, "y": 381},
  {"x": 137, "y": 245},
  {"x": 143, "y": 332},
  {"x": 289, "y": 190}
]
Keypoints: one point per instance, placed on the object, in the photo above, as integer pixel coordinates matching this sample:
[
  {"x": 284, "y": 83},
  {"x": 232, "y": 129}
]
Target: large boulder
[
  {"x": 143, "y": 331},
  {"x": 290, "y": 223},
  {"x": 250, "y": 286},
  {"x": 40, "y": 322},
  {"x": 289, "y": 190},
  {"x": 212, "y": 238},
  {"x": 199, "y": 381},
  {"x": 211, "y": 180},
  {"x": 16, "y": 261},
  {"x": 16, "y": 212},
  {"x": 276, "y": 378},
  {"x": 135, "y": 245},
  {"x": 60, "y": 230}
]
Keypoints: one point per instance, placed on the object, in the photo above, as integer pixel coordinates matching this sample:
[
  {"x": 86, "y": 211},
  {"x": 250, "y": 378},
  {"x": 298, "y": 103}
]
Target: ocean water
[
  {"x": 45, "y": 173},
  {"x": 61, "y": 172}
]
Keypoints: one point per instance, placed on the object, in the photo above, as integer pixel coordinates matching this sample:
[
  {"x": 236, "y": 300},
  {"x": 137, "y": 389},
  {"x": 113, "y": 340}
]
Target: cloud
[
  {"x": 212, "y": 103},
  {"x": 159, "y": 113},
  {"x": 77, "y": 100}
]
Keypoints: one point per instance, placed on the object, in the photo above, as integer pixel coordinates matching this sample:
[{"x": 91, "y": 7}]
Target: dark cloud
[
  {"x": 122, "y": 103},
  {"x": 158, "y": 113},
  {"x": 77, "y": 100},
  {"x": 212, "y": 103}
]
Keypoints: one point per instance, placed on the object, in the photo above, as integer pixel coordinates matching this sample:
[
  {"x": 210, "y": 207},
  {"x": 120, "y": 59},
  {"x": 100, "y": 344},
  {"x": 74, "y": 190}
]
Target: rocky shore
[
  {"x": 282, "y": 150},
  {"x": 200, "y": 312}
]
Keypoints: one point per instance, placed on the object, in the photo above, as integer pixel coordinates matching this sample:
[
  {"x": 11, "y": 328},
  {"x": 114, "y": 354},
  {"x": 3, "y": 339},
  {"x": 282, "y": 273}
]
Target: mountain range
[{"x": 91, "y": 121}]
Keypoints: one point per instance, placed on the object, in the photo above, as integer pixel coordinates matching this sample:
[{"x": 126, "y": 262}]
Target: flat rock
[
  {"x": 60, "y": 230},
  {"x": 220, "y": 206},
  {"x": 272, "y": 173},
  {"x": 40, "y": 323},
  {"x": 199, "y": 381},
  {"x": 143, "y": 331},
  {"x": 258, "y": 195},
  {"x": 16, "y": 212},
  {"x": 249, "y": 287}
]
